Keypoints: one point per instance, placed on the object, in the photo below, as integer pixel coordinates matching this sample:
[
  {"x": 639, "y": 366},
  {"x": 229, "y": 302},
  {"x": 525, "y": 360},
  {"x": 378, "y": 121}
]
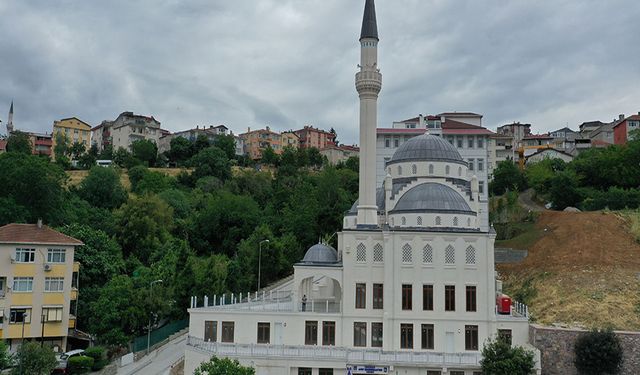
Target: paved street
[{"x": 159, "y": 361}]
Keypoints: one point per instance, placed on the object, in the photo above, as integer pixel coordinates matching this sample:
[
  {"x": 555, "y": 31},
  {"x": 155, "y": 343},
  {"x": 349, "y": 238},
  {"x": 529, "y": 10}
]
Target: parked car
[{"x": 63, "y": 360}]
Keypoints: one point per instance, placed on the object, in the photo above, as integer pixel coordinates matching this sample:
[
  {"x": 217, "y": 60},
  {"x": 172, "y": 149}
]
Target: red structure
[
  {"x": 313, "y": 137},
  {"x": 621, "y": 131},
  {"x": 504, "y": 304}
]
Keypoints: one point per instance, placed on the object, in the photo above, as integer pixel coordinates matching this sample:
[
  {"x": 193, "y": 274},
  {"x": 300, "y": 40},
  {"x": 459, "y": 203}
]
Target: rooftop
[{"x": 34, "y": 234}]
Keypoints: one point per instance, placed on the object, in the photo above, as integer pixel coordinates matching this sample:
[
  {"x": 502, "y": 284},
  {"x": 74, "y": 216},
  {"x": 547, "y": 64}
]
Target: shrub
[
  {"x": 500, "y": 358},
  {"x": 98, "y": 355},
  {"x": 598, "y": 352},
  {"x": 80, "y": 364}
]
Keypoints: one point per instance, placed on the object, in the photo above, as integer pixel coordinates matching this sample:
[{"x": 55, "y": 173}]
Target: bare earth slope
[{"x": 583, "y": 270}]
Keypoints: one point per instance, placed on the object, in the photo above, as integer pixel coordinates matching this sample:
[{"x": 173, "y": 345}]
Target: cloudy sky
[{"x": 286, "y": 63}]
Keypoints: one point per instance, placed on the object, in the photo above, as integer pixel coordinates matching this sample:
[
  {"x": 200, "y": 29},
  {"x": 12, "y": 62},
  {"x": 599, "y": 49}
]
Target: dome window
[
  {"x": 447, "y": 170},
  {"x": 455, "y": 221},
  {"x": 414, "y": 169},
  {"x": 469, "y": 222},
  {"x": 449, "y": 255},
  {"x": 438, "y": 220},
  {"x": 459, "y": 171},
  {"x": 399, "y": 170},
  {"x": 419, "y": 220},
  {"x": 427, "y": 254},
  {"x": 430, "y": 168},
  {"x": 403, "y": 221}
]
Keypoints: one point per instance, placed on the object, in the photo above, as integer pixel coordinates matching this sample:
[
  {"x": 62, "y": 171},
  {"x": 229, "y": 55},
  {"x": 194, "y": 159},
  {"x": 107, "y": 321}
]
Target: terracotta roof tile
[{"x": 31, "y": 234}]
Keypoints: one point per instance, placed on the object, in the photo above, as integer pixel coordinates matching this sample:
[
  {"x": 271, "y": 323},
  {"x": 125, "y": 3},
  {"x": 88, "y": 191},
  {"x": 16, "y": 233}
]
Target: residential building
[
  {"x": 464, "y": 117},
  {"x": 623, "y": 128},
  {"x": 587, "y": 127},
  {"x": 548, "y": 153},
  {"x": 313, "y": 137},
  {"x": 336, "y": 154},
  {"x": 500, "y": 149},
  {"x": 3, "y": 145},
  {"x": 290, "y": 138},
  {"x": 256, "y": 141},
  {"x": 74, "y": 129},
  {"x": 38, "y": 285},
  {"x": 565, "y": 138},
  {"x": 126, "y": 129},
  {"x": 410, "y": 290},
  {"x": 41, "y": 143},
  {"x": 516, "y": 130},
  {"x": 603, "y": 135}
]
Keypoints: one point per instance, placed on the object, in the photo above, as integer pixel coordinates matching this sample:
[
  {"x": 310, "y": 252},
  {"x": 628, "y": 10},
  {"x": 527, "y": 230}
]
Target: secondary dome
[
  {"x": 320, "y": 254},
  {"x": 426, "y": 147},
  {"x": 433, "y": 197}
]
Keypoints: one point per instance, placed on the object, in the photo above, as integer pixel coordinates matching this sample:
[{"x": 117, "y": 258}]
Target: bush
[
  {"x": 79, "y": 365},
  {"x": 500, "y": 358},
  {"x": 598, "y": 352},
  {"x": 98, "y": 355}
]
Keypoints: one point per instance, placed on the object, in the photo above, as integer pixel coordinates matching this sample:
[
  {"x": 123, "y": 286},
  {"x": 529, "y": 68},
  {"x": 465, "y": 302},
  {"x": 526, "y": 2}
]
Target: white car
[{"x": 64, "y": 358}]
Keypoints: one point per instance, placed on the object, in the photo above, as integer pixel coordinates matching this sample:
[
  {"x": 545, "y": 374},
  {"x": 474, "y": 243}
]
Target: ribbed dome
[
  {"x": 433, "y": 197},
  {"x": 424, "y": 148},
  {"x": 320, "y": 254}
]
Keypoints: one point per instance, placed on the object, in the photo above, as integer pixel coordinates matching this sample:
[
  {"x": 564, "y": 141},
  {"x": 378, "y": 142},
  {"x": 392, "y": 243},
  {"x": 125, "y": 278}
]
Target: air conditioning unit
[
  {"x": 47, "y": 267},
  {"x": 13, "y": 258}
]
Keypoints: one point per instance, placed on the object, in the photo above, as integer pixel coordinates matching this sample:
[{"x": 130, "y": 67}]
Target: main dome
[
  {"x": 426, "y": 147},
  {"x": 320, "y": 254},
  {"x": 433, "y": 197}
]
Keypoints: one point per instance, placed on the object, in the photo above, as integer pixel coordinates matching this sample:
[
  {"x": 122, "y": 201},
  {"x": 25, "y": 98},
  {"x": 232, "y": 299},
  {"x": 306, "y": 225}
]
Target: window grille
[
  {"x": 438, "y": 220},
  {"x": 427, "y": 254},
  {"x": 378, "y": 253},
  {"x": 419, "y": 220},
  {"x": 407, "y": 253},
  {"x": 471, "y": 255},
  {"x": 455, "y": 221},
  {"x": 403, "y": 220},
  {"x": 361, "y": 253},
  {"x": 414, "y": 169},
  {"x": 450, "y": 255}
]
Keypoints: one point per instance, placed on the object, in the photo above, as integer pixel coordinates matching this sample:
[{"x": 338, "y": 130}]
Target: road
[
  {"x": 526, "y": 200},
  {"x": 159, "y": 361}
]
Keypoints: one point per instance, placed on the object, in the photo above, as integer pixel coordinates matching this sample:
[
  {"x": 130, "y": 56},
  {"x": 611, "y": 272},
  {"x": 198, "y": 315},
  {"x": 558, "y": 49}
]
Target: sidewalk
[{"x": 159, "y": 361}]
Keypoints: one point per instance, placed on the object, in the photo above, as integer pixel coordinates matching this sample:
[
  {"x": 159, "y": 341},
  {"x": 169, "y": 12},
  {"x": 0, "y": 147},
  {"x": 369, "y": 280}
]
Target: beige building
[
  {"x": 38, "y": 285},
  {"x": 500, "y": 149},
  {"x": 126, "y": 129},
  {"x": 74, "y": 129},
  {"x": 336, "y": 154},
  {"x": 290, "y": 138},
  {"x": 256, "y": 141}
]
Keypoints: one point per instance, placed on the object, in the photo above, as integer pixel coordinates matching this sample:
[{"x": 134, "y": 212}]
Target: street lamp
[
  {"x": 25, "y": 315},
  {"x": 260, "y": 260},
  {"x": 149, "y": 327}
]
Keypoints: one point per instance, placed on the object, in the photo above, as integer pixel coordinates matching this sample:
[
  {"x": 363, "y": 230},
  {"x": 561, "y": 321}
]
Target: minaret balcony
[{"x": 369, "y": 81}]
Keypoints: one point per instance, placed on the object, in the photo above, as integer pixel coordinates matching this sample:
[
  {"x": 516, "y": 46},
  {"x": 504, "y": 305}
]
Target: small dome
[
  {"x": 320, "y": 253},
  {"x": 433, "y": 197},
  {"x": 379, "y": 202},
  {"x": 424, "y": 148}
]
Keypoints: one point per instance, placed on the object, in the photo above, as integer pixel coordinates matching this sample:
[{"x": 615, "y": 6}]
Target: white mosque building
[{"x": 411, "y": 289}]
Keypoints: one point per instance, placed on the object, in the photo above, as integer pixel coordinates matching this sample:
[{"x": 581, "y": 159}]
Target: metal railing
[
  {"x": 349, "y": 355},
  {"x": 281, "y": 301}
]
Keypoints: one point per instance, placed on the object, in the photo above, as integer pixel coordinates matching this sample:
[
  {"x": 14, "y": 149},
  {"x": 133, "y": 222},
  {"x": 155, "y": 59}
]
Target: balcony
[
  {"x": 347, "y": 355},
  {"x": 72, "y": 321},
  {"x": 518, "y": 312},
  {"x": 280, "y": 301}
]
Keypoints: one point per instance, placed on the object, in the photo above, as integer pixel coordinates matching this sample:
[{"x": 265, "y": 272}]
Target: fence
[{"x": 160, "y": 334}]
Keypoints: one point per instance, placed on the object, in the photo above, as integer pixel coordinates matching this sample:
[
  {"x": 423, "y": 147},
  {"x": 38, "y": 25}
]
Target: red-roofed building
[
  {"x": 313, "y": 137},
  {"x": 621, "y": 130}
]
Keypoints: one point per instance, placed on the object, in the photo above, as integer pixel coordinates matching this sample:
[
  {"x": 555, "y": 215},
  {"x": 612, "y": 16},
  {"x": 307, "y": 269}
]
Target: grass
[
  {"x": 529, "y": 233},
  {"x": 633, "y": 218}
]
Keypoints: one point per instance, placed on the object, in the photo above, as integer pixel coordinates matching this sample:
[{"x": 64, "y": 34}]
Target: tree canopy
[{"x": 500, "y": 358}]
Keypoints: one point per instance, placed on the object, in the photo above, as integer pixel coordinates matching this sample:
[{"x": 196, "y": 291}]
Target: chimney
[
  {"x": 621, "y": 116},
  {"x": 248, "y": 129},
  {"x": 268, "y": 129},
  {"x": 442, "y": 118},
  {"x": 39, "y": 224},
  {"x": 421, "y": 120}
]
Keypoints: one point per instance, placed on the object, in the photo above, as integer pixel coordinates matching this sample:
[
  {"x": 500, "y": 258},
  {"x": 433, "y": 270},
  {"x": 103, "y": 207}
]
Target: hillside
[
  {"x": 582, "y": 269},
  {"x": 75, "y": 177}
]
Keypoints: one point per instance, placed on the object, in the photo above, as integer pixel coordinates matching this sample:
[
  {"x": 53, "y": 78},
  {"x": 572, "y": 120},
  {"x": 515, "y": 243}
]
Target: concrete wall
[{"x": 556, "y": 347}]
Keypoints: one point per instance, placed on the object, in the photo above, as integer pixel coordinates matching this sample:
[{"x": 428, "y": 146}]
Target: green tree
[
  {"x": 598, "y": 352},
  {"x": 507, "y": 176},
  {"x": 12, "y": 212},
  {"x": 61, "y": 149},
  {"x": 223, "y": 366},
  {"x": 563, "y": 190},
  {"x": 102, "y": 188},
  {"x": 211, "y": 161},
  {"x": 76, "y": 150},
  {"x": 33, "y": 359},
  {"x": 200, "y": 143},
  {"x": 226, "y": 143},
  {"x": 106, "y": 153},
  {"x": 181, "y": 149},
  {"x": 6, "y": 358},
  {"x": 500, "y": 358},
  {"x": 145, "y": 150},
  {"x": 19, "y": 142},
  {"x": 269, "y": 157},
  {"x": 124, "y": 159}
]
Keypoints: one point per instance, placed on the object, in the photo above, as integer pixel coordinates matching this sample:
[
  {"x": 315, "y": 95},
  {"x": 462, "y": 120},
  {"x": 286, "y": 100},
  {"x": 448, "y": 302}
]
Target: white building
[
  {"x": 124, "y": 130},
  {"x": 411, "y": 288}
]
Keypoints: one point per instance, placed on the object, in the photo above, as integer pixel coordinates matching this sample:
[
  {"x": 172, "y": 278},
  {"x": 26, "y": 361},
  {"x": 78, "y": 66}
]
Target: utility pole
[
  {"x": 150, "y": 313},
  {"x": 260, "y": 260}
]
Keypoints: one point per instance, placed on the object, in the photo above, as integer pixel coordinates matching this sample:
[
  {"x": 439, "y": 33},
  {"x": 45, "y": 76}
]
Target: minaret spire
[
  {"x": 368, "y": 85},
  {"x": 10, "y": 120}
]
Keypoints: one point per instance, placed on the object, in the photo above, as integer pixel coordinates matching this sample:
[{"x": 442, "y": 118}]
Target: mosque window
[
  {"x": 430, "y": 168},
  {"x": 392, "y": 222},
  {"x": 378, "y": 253},
  {"x": 419, "y": 220},
  {"x": 361, "y": 253},
  {"x": 399, "y": 170},
  {"x": 427, "y": 254},
  {"x": 470, "y": 255},
  {"x": 407, "y": 253},
  {"x": 438, "y": 220},
  {"x": 459, "y": 171},
  {"x": 450, "y": 255},
  {"x": 414, "y": 169},
  {"x": 469, "y": 222},
  {"x": 403, "y": 221},
  {"x": 455, "y": 221},
  {"x": 447, "y": 170}
]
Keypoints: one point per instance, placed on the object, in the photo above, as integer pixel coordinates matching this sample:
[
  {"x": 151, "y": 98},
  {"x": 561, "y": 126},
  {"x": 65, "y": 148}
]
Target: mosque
[{"x": 411, "y": 288}]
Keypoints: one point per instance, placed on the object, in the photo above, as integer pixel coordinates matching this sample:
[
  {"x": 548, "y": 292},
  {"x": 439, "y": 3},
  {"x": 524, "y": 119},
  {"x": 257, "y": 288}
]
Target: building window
[
  {"x": 414, "y": 169},
  {"x": 450, "y": 298},
  {"x": 427, "y": 297},
  {"x": 25, "y": 255},
  {"x": 471, "y": 337},
  {"x": 325, "y": 371},
  {"x": 387, "y": 143},
  {"x": 52, "y": 314},
  {"x": 427, "y": 254},
  {"x": 359, "y": 334},
  {"x": 459, "y": 171},
  {"x": 378, "y": 296},
  {"x": 399, "y": 170},
  {"x": 481, "y": 164},
  {"x": 449, "y": 255},
  {"x": 20, "y": 315},
  {"x": 480, "y": 142},
  {"x": 311, "y": 332},
  {"x": 378, "y": 253},
  {"x": 454, "y": 372},
  {"x": 471, "y": 298},
  {"x": 505, "y": 335},
  {"x": 361, "y": 295},
  {"x": 396, "y": 143},
  {"x": 54, "y": 284},
  {"x": 304, "y": 371},
  {"x": 481, "y": 187},
  {"x": 56, "y": 255},
  {"x": 434, "y": 372},
  {"x": 227, "y": 331},
  {"x": 264, "y": 333},
  {"x": 430, "y": 168},
  {"x": 361, "y": 253},
  {"x": 455, "y": 221},
  {"x": 211, "y": 330},
  {"x": 427, "y": 336},
  {"x": 471, "y": 255},
  {"x": 22, "y": 284},
  {"x": 438, "y": 220},
  {"x": 407, "y": 297},
  {"x": 459, "y": 141},
  {"x": 407, "y": 253},
  {"x": 468, "y": 221},
  {"x": 471, "y": 162},
  {"x": 403, "y": 220},
  {"x": 406, "y": 336},
  {"x": 447, "y": 170},
  {"x": 419, "y": 221},
  {"x": 470, "y": 142},
  {"x": 329, "y": 333},
  {"x": 376, "y": 335}
]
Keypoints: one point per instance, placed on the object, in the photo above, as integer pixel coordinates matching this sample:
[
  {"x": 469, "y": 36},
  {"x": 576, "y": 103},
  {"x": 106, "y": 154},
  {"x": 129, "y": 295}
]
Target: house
[
  {"x": 313, "y": 137},
  {"x": 548, "y": 153},
  {"x": 74, "y": 129},
  {"x": 624, "y": 127},
  {"x": 256, "y": 141},
  {"x": 124, "y": 130},
  {"x": 290, "y": 139},
  {"x": 336, "y": 154},
  {"x": 41, "y": 143},
  {"x": 38, "y": 285}
]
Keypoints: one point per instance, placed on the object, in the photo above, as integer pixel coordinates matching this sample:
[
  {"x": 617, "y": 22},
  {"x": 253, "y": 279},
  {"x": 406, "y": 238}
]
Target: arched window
[
  {"x": 392, "y": 222},
  {"x": 447, "y": 170},
  {"x": 403, "y": 220},
  {"x": 427, "y": 254},
  {"x": 459, "y": 171},
  {"x": 438, "y": 220},
  {"x": 399, "y": 170},
  {"x": 414, "y": 169},
  {"x": 430, "y": 168},
  {"x": 361, "y": 253},
  {"x": 449, "y": 255},
  {"x": 419, "y": 220},
  {"x": 455, "y": 221},
  {"x": 469, "y": 222},
  {"x": 378, "y": 253},
  {"x": 407, "y": 253},
  {"x": 470, "y": 255}
]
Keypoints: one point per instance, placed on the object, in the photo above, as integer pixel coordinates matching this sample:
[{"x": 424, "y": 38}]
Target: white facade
[
  {"x": 410, "y": 289},
  {"x": 548, "y": 153}
]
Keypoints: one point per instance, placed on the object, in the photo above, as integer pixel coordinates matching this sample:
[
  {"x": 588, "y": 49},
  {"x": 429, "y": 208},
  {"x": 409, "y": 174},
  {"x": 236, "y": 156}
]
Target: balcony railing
[
  {"x": 348, "y": 355},
  {"x": 281, "y": 301}
]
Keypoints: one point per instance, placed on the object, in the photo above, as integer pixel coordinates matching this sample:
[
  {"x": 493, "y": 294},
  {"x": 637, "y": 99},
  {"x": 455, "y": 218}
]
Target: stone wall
[{"x": 556, "y": 348}]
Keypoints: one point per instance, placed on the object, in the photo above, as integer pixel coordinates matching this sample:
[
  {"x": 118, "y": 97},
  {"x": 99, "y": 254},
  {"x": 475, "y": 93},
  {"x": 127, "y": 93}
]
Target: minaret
[
  {"x": 10, "y": 120},
  {"x": 368, "y": 84}
]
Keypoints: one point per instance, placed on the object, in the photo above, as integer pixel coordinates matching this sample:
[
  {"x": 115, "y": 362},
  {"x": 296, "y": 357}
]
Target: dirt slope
[{"x": 583, "y": 270}]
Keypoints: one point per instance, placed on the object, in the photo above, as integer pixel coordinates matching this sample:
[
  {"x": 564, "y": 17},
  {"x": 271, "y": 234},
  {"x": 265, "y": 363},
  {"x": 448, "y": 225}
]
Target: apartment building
[
  {"x": 256, "y": 141},
  {"x": 314, "y": 137},
  {"x": 74, "y": 129},
  {"x": 38, "y": 285},
  {"x": 126, "y": 129}
]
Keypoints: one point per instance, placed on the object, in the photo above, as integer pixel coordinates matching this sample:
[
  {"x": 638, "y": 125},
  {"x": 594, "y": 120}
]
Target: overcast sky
[{"x": 287, "y": 63}]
